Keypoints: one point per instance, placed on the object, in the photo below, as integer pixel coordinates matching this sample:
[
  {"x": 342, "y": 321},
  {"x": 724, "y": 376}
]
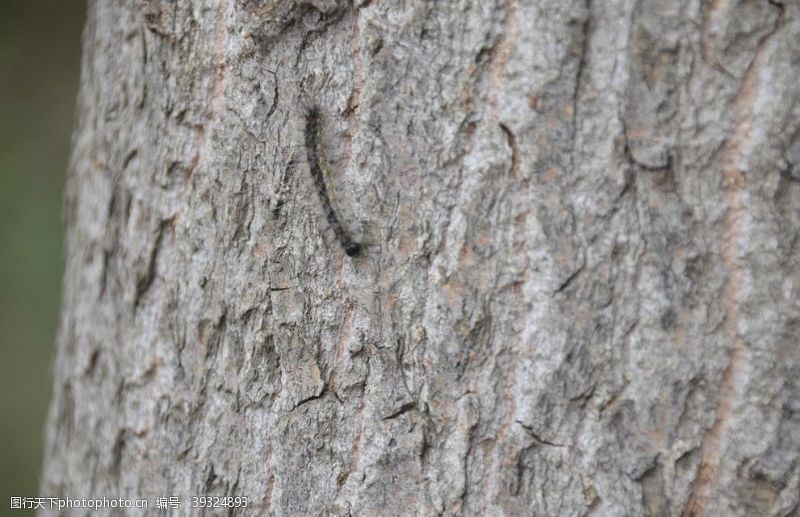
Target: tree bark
[{"x": 579, "y": 284}]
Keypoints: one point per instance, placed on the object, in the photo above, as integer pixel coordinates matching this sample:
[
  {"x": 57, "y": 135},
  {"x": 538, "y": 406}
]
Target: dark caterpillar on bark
[{"x": 312, "y": 131}]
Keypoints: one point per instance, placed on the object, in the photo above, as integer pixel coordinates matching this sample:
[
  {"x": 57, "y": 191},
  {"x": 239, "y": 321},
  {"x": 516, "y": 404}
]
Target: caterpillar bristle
[{"x": 312, "y": 131}]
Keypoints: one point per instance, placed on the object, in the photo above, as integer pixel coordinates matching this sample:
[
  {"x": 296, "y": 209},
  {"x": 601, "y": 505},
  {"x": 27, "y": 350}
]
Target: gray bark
[{"x": 579, "y": 291}]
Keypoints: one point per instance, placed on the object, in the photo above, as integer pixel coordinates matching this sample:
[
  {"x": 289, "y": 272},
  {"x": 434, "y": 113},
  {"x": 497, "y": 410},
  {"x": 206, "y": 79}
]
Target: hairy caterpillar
[{"x": 312, "y": 130}]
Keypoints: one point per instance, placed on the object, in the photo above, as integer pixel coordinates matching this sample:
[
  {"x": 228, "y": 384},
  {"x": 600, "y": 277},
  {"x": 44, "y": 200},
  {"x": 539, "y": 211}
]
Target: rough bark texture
[{"x": 579, "y": 290}]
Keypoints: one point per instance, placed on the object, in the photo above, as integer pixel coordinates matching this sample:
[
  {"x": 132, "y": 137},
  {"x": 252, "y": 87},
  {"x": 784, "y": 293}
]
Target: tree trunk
[{"x": 578, "y": 289}]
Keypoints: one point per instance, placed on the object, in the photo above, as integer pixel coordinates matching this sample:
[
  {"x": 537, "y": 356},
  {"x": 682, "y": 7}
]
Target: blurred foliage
[{"x": 39, "y": 67}]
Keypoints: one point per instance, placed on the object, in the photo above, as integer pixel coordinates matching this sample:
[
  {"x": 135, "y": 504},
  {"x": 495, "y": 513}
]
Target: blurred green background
[{"x": 39, "y": 71}]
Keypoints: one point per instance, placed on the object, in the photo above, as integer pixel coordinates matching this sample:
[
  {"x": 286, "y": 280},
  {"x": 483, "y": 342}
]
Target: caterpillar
[{"x": 312, "y": 131}]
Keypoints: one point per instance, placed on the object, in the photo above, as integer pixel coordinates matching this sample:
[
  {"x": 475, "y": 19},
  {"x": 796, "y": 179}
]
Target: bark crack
[
  {"x": 582, "y": 61},
  {"x": 405, "y": 408},
  {"x": 566, "y": 283},
  {"x": 539, "y": 439},
  {"x": 146, "y": 280},
  {"x": 311, "y": 398},
  {"x": 512, "y": 143}
]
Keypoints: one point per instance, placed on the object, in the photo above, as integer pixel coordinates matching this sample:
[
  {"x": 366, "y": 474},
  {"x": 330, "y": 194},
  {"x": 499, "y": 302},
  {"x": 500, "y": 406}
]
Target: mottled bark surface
[{"x": 579, "y": 290}]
